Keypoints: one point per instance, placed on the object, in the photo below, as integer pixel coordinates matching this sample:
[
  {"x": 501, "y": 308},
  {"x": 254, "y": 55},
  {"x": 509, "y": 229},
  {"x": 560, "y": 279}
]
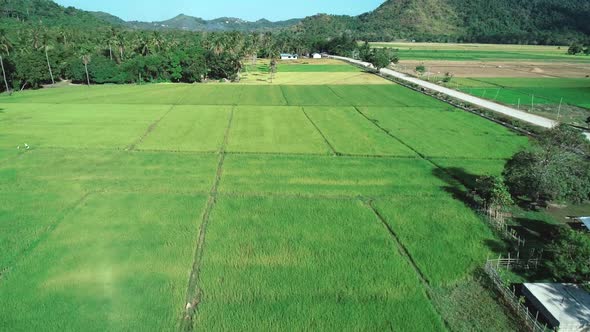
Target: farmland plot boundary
[
  {"x": 406, "y": 254},
  {"x": 334, "y": 152},
  {"x": 153, "y": 126},
  {"x": 194, "y": 292},
  {"x": 4, "y": 270}
]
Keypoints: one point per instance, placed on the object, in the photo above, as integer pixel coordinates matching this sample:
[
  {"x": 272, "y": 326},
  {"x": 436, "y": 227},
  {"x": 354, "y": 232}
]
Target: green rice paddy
[
  {"x": 322, "y": 207},
  {"x": 538, "y": 95}
]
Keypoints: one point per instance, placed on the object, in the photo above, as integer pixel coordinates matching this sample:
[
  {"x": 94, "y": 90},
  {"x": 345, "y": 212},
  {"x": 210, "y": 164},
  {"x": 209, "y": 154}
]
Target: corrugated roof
[{"x": 568, "y": 303}]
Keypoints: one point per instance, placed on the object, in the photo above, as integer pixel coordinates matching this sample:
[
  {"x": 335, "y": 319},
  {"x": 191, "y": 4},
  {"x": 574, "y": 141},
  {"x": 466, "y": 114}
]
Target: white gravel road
[{"x": 509, "y": 111}]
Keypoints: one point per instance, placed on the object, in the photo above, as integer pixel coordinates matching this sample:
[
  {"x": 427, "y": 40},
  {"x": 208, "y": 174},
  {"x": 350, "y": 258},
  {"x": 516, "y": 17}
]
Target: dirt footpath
[{"x": 499, "y": 68}]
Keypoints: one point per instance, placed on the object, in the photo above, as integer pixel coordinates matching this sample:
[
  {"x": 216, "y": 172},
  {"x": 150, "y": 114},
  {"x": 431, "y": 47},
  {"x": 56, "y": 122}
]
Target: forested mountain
[{"x": 501, "y": 21}]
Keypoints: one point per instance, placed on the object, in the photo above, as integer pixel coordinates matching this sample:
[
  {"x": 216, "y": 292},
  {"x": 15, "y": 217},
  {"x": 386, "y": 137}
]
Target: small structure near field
[
  {"x": 581, "y": 224},
  {"x": 316, "y": 56},
  {"x": 289, "y": 56},
  {"x": 564, "y": 306}
]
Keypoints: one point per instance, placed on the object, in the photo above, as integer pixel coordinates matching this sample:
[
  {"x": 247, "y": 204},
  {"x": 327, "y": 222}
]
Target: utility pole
[{"x": 532, "y": 103}]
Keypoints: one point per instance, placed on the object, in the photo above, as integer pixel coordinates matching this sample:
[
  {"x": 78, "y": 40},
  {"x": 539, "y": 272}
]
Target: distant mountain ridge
[
  {"x": 488, "y": 21},
  {"x": 191, "y": 23}
]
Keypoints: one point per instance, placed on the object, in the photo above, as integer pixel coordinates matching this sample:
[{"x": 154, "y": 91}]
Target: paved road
[{"x": 520, "y": 115}]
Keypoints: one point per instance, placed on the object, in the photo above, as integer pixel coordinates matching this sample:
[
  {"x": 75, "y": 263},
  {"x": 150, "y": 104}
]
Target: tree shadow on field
[{"x": 460, "y": 184}]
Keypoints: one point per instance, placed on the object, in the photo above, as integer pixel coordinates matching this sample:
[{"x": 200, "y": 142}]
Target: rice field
[
  {"x": 564, "y": 99},
  {"x": 481, "y": 52},
  {"x": 309, "y": 206}
]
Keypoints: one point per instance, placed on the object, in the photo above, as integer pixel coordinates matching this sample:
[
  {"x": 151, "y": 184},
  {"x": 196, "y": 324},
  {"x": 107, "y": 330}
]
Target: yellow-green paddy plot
[
  {"x": 189, "y": 128},
  {"x": 118, "y": 262},
  {"x": 75, "y": 125},
  {"x": 330, "y": 176},
  {"x": 306, "y": 264},
  {"x": 458, "y": 241},
  {"x": 349, "y": 132},
  {"x": 446, "y": 132},
  {"x": 274, "y": 129}
]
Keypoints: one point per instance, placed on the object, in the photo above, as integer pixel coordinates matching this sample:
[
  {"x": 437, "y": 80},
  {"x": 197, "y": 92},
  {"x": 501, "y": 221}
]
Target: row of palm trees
[{"x": 121, "y": 45}]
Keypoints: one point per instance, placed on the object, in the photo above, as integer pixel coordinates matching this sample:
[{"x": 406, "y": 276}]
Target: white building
[
  {"x": 316, "y": 56},
  {"x": 289, "y": 56},
  {"x": 564, "y": 306}
]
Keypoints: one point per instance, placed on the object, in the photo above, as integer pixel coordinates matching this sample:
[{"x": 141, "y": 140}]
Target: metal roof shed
[{"x": 565, "y": 306}]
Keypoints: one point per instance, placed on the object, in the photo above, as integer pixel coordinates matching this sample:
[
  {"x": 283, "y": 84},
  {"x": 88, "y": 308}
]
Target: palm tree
[
  {"x": 47, "y": 46},
  {"x": 157, "y": 40},
  {"x": 5, "y": 45},
  {"x": 121, "y": 41},
  {"x": 86, "y": 61}
]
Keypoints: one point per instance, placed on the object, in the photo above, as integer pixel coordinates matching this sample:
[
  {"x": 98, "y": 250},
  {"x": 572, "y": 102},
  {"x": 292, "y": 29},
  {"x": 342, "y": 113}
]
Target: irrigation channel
[{"x": 483, "y": 103}]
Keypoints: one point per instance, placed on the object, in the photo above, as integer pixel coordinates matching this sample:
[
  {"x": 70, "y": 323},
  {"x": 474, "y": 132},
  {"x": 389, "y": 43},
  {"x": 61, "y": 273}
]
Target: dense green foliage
[
  {"x": 493, "y": 192},
  {"x": 501, "y": 21},
  {"x": 557, "y": 168},
  {"x": 570, "y": 259}
]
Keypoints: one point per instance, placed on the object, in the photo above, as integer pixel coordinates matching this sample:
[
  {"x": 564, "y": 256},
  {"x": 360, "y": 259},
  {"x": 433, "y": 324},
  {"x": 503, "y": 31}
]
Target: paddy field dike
[{"x": 330, "y": 200}]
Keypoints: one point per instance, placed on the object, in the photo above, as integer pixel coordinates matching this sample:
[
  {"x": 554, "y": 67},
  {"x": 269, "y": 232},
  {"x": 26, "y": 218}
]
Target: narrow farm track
[
  {"x": 406, "y": 254},
  {"x": 4, "y": 270},
  {"x": 154, "y": 125},
  {"x": 492, "y": 106},
  {"x": 334, "y": 152},
  {"x": 194, "y": 292}
]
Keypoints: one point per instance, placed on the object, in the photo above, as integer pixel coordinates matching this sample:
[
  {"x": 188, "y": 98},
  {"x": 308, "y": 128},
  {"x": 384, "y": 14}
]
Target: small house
[
  {"x": 316, "y": 56},
  {"x": 289, "y": 56},
  {"x": 564, "y": 306},
  {"x": 581, "y": 224}
]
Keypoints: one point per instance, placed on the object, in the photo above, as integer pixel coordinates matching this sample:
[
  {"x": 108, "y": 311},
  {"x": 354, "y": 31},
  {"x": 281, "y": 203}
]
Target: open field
[
  {"x": 481, "y": 52},
  {"x": 541, "y": 96},
  {"x": 268, "y": 207},
  {"x": 497, "y": 69}
]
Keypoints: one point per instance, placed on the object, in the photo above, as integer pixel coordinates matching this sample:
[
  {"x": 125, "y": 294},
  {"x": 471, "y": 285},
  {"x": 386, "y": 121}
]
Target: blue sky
[{"x": 157, "y": 10}]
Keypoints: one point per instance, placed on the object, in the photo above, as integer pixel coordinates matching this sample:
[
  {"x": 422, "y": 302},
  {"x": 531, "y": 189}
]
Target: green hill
[
  {"x": 46, "y": 12},
  {"x": 504, "y": 21},
  {"x": 499, "y": 21}
]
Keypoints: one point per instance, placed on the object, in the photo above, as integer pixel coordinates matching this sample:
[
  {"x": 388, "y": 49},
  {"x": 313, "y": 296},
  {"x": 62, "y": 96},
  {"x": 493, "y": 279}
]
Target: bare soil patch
[{"x": 499, "y": 68}]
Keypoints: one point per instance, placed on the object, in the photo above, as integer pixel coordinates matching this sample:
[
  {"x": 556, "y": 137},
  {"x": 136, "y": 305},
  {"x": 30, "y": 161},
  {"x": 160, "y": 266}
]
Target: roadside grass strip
[
  {"x": 306, "y": 264},
  {"x": 317, "y": 175},
  {"x": 75, "y": 126},
  {"x": 447, "y": 240},
  {"x": 351, "y": 133},
  {"x": 447, "y": 133},
  {"x": 118, "y": 262},
  {"x": 274, "y": 129},
  {"x": 189, "y": 128},
  {"x": 111, "y": 171}
]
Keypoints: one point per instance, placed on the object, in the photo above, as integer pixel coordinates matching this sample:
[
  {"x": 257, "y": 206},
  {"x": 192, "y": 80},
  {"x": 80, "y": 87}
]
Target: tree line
[{"x": 36, "y": 55}]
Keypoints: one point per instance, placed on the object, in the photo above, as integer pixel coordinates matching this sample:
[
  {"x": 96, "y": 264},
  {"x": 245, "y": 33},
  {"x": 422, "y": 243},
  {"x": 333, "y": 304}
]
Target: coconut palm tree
[
  {"x": 5, "y": 46},
  {"x": 47, "y": 45},
  {"x": 86, "y": 61}
]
